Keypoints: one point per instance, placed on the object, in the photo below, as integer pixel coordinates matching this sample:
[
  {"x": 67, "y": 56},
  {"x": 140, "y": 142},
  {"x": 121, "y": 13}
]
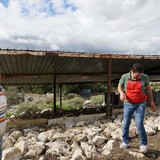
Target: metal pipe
[
  {"x": 109, "y": 75},
  {"x": 61, "y": 96},
  {"x": 54, "y": 91}
]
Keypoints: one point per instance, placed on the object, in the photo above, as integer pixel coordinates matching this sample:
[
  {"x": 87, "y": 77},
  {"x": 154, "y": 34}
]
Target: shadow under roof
[{"x": 39, "y": 67}]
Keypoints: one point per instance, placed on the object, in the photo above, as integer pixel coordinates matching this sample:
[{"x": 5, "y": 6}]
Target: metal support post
[{"x": 109, "y": 75}]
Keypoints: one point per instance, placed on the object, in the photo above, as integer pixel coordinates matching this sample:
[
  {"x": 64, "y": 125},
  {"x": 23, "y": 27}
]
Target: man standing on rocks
[
  {"x": 132, "y": 88},
  {"x": 3, "y": 109}
]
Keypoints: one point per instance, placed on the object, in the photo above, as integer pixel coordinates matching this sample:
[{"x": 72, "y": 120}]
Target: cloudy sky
[{"x": 100, "y": 26}]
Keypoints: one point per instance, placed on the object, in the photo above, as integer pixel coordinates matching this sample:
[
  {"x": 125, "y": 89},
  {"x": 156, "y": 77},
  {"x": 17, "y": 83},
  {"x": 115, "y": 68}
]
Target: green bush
[
  {"x": 75, "y": 103},
  {"x": 44, "y": 105},
  {"x": 97, "y": 100},
  {"x": 13, "y": 96},
  {"x": 8, "y": 114},
  {"x": 28, "y": 107},
  {"x": 71, "y": 96}
]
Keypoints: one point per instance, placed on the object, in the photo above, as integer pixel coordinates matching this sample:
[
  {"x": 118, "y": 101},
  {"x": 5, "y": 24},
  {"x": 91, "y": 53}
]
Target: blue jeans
[
  {"x": 139, "y": 112},
  {"x": 1, "y": 142}
]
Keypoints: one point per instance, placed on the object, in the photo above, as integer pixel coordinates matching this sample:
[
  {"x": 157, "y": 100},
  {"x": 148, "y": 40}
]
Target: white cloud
[{"x": 80, "y": 25}]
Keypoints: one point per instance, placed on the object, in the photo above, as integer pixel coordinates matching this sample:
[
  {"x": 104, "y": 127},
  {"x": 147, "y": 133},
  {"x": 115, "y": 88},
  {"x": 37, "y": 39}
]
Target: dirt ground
[{"x": 120, "y": 154}]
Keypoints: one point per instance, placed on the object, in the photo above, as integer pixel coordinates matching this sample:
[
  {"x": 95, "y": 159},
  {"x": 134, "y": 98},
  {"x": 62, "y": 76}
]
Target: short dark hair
[{"x": 138, "y": 67}]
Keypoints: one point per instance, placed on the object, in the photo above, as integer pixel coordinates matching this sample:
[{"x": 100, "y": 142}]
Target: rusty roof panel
[{"x": 39, "y": 67}]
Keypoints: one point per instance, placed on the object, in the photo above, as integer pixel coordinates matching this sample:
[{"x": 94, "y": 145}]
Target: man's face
[{"x": 136, "y": 75}]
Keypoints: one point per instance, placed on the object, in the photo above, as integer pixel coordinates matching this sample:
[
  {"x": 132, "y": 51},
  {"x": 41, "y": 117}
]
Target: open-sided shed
[{"x": 19, "y": 67}]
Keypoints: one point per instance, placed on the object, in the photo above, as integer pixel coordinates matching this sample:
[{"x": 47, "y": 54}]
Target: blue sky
[
  {"x": 49, "y": 8},
  {"x": 4, "y": 2},
  {"x": 105, "y": 26}
]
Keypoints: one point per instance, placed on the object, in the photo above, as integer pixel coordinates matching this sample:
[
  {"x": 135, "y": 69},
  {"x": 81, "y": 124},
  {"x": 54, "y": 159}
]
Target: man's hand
[
  {"x": 122, "y": 96},
  {"x": 153, "y": 107}
]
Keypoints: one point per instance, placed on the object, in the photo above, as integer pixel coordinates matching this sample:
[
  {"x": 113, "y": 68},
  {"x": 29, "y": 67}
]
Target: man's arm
[
  {"x": 150, "y": 96},
  {"x": 121, "y": 92}
]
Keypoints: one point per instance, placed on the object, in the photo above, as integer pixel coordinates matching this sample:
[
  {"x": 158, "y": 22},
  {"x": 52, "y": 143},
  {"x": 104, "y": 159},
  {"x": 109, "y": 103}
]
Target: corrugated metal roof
[{"x": 39, "y": 67}]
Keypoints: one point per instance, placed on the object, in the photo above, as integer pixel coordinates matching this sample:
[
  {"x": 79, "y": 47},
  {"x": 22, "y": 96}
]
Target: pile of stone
[{"x": 71, "y": 138}]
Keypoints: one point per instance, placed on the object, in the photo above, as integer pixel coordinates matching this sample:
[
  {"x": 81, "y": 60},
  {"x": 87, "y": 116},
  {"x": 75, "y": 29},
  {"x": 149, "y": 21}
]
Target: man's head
[
  {"x": 137, "y": 70},
  {"x": 137, "y": 67}
]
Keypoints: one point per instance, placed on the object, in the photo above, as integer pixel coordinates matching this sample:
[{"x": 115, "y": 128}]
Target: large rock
[
  {"x": 89, "y": 150},
  {"x": 108, "y": 128},
  {"x": 78, "y": 155},
  {"x": 88, "y": 104},
  {"x": 23, "y": 146},
  {"x": 73, "y": 131},
  {"x": 29, "y": 99},
  {"x": 108, "y": 147},
  {"x": 37, "y": 148},
  {"x": 43, "y": 136},
  {"x": 98, "y": 140},
  {"x": 13, "y": 153},
  {"x": 150, "y": 131},
  {"x": 8, "y": 142},
  {"x": 69, "y": 124},
  {"x": 81, "y": 124},
  {"x": 59, "y": 147},
  {"x": 157, "y": 122},
  {"x": 80, "y": 138},
  {"x": 151, "y": 122},
  {"x": 117, "y": 134},
  {"x": 16, "y": 134}
]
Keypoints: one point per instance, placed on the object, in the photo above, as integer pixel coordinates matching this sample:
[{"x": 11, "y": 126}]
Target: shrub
[
  {"x": 28, "y": 107},
  {"x": 13, "y": 96},
  {"x": 97, "y": 100},
  {"x": 75, "y": 103},
  {"x": 71, "y": 96}
]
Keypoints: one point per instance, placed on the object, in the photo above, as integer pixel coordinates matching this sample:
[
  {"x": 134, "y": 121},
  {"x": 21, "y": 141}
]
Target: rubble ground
[{"x": 82, "y": 137}]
